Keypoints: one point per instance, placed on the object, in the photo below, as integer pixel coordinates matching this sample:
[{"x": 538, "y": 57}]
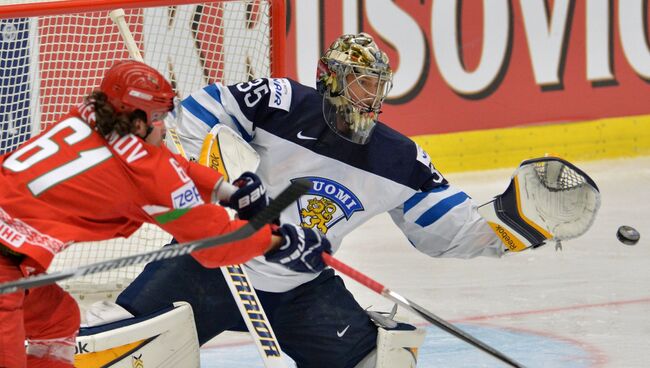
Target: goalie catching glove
[
  {"x": 301, "y": 250},
  {"x": 548, "y": 199}
]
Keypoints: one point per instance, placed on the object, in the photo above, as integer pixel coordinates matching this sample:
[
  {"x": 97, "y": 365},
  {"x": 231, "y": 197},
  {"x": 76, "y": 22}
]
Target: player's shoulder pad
[
  {"x": 274, "y": 92},
  {"x": 281, "y": 93},
  {"x": 435, "y": 178},
  {"x": 397, "y": 157}
]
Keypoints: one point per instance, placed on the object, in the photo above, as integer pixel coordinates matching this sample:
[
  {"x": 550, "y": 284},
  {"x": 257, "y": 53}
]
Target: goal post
[{"x": 53, "y": 53}]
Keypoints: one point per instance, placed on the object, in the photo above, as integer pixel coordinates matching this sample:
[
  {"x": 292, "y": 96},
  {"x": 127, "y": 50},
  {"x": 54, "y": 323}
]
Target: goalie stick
[
  {"x": 235, "y": 276},
  {"x": 286, "y": 198},
  {"x": 220, "y": 148},
  {"x": 423, "y": 313},
  {"x": 226, "y": 152}
]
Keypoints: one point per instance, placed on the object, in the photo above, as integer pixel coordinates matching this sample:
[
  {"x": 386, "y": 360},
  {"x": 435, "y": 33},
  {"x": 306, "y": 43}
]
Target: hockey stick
[
  {"x": 221, "y": 143},
  {"x": 286, "y": 198},
  {"x": 235, "y": 276},
  {"x": 425, "y": 314},
  {"x": 225, "y": 151}
]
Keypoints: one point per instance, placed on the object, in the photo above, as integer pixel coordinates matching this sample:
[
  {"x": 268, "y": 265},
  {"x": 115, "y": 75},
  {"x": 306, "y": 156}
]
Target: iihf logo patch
[{"x": 326, "y": 203}]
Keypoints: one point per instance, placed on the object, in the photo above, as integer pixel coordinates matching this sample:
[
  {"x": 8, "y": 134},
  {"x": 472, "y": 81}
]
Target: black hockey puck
[{"x": 628, "y": 235}]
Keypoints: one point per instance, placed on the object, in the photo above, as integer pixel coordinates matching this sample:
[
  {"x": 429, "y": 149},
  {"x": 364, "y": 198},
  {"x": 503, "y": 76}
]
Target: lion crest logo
[
  {"x": 318, "y": 213},
  {"x": 326, "y": 203}
]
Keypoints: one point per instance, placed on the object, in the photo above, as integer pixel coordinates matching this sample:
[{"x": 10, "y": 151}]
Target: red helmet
[{"x": 131, "y": 85}]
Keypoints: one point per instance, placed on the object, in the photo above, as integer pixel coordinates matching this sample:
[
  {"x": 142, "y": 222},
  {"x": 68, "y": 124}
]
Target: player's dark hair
[{"x": 106, "y": 120}]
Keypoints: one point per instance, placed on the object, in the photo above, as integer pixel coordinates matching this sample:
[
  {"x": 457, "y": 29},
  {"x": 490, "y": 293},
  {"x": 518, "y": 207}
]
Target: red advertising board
[{"x": 460, "y": 65}]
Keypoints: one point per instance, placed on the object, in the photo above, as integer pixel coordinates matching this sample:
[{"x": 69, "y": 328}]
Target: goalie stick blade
[{"x": 270, "y": 213}]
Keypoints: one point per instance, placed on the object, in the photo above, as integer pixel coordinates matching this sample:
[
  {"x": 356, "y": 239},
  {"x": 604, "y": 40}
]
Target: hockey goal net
[{"x": 55, "y": 52}]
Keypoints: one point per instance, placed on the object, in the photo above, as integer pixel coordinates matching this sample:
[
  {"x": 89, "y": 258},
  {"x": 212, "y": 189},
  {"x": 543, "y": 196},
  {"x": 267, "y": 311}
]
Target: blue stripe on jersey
[
  {"x": 244, "y": 134},
  {"x": 200, "y": 112},
  {"x": 418, "y": 197},
  {"x": 434, "y": 213},
  {"x": 213, "y": 91},
  {"x": 414, "y": 200}
]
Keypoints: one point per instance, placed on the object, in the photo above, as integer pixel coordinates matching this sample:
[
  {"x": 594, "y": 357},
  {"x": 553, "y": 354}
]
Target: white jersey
[{"x": 283, "y": 121}]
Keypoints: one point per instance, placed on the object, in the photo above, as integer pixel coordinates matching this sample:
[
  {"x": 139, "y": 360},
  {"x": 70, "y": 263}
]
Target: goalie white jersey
[{"x": 283, "y": 121}]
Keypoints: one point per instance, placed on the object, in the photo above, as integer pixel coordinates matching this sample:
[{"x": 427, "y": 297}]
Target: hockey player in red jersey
[{"x": 94, "y": 176}]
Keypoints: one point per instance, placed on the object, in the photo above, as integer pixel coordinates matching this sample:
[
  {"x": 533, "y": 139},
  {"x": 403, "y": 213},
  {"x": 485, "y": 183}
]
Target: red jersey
[{"x": 71, "y": 184}]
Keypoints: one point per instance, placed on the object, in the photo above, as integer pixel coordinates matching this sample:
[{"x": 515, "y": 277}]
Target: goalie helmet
[
  {"x": 354, "y": 77},
  {"x": 132, "y": 85}
]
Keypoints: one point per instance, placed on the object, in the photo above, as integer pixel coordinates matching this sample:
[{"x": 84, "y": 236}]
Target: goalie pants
[
  {"x": 47, "y": 316},
  {"x": 318, "y": 324}
]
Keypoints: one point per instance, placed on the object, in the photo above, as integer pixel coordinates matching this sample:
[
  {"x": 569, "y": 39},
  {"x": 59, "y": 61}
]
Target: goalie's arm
[
  {"x": 547, "y": 199},
  {"x": 441, "y": 220},
  {"x": 444, "y": 223}
]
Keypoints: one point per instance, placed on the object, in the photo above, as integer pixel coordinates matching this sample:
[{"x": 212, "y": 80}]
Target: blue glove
[
  {"x": 302, "y": 249},
  {"x": 250, "y": 198}
]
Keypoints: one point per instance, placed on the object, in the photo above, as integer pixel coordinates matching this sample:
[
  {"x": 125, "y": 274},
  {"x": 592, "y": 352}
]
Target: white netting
[
  {"x": 15, "y": 85},
  {"x": 48, "y": 63},
  {"x": 559, "y": 196}
]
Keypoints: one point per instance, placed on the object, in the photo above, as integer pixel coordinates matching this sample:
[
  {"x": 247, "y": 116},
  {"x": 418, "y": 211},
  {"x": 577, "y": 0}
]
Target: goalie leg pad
[
  {"x": 395, "y": 348},
  {"x": 397, "y": 344},
  {"x": 166, "y": 338}
]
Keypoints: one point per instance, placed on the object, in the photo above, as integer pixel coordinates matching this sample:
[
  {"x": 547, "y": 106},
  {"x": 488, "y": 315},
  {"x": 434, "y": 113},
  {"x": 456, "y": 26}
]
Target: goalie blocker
[{"x": 548, "y": 199}]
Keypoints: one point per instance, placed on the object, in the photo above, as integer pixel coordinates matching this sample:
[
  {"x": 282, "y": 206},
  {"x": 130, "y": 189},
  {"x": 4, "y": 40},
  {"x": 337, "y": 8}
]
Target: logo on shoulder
[
  {"x": 280, "y": 93},
  {"x": 436, "y": 178},
  {"x": 326, "y": 203},
  {"x": 186, "y": 196},
  {"x": 423, "y": 156}
]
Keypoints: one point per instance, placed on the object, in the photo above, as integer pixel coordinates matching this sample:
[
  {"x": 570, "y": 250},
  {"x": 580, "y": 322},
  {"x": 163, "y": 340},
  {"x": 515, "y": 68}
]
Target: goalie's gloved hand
[
  {"x": 301, "y": 250},
  {"x": 250, "y": 198},
  {"x": 548, "y": 199}
]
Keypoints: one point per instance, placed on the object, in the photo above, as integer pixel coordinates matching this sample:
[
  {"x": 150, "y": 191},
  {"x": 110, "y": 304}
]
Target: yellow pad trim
[
  {"x": 546, "y": 234},
  {"x": 105, "y": 357},
  {"x": 212, "y": 157},
  {"x": 511, "y": 241}
]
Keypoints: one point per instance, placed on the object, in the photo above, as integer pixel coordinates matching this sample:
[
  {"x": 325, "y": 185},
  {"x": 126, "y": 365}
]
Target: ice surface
[{"x": 585, "y": 306}]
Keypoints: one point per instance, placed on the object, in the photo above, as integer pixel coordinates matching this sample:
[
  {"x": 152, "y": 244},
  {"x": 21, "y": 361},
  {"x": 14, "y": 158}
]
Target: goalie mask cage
[{"x": 53, "y": 53}]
